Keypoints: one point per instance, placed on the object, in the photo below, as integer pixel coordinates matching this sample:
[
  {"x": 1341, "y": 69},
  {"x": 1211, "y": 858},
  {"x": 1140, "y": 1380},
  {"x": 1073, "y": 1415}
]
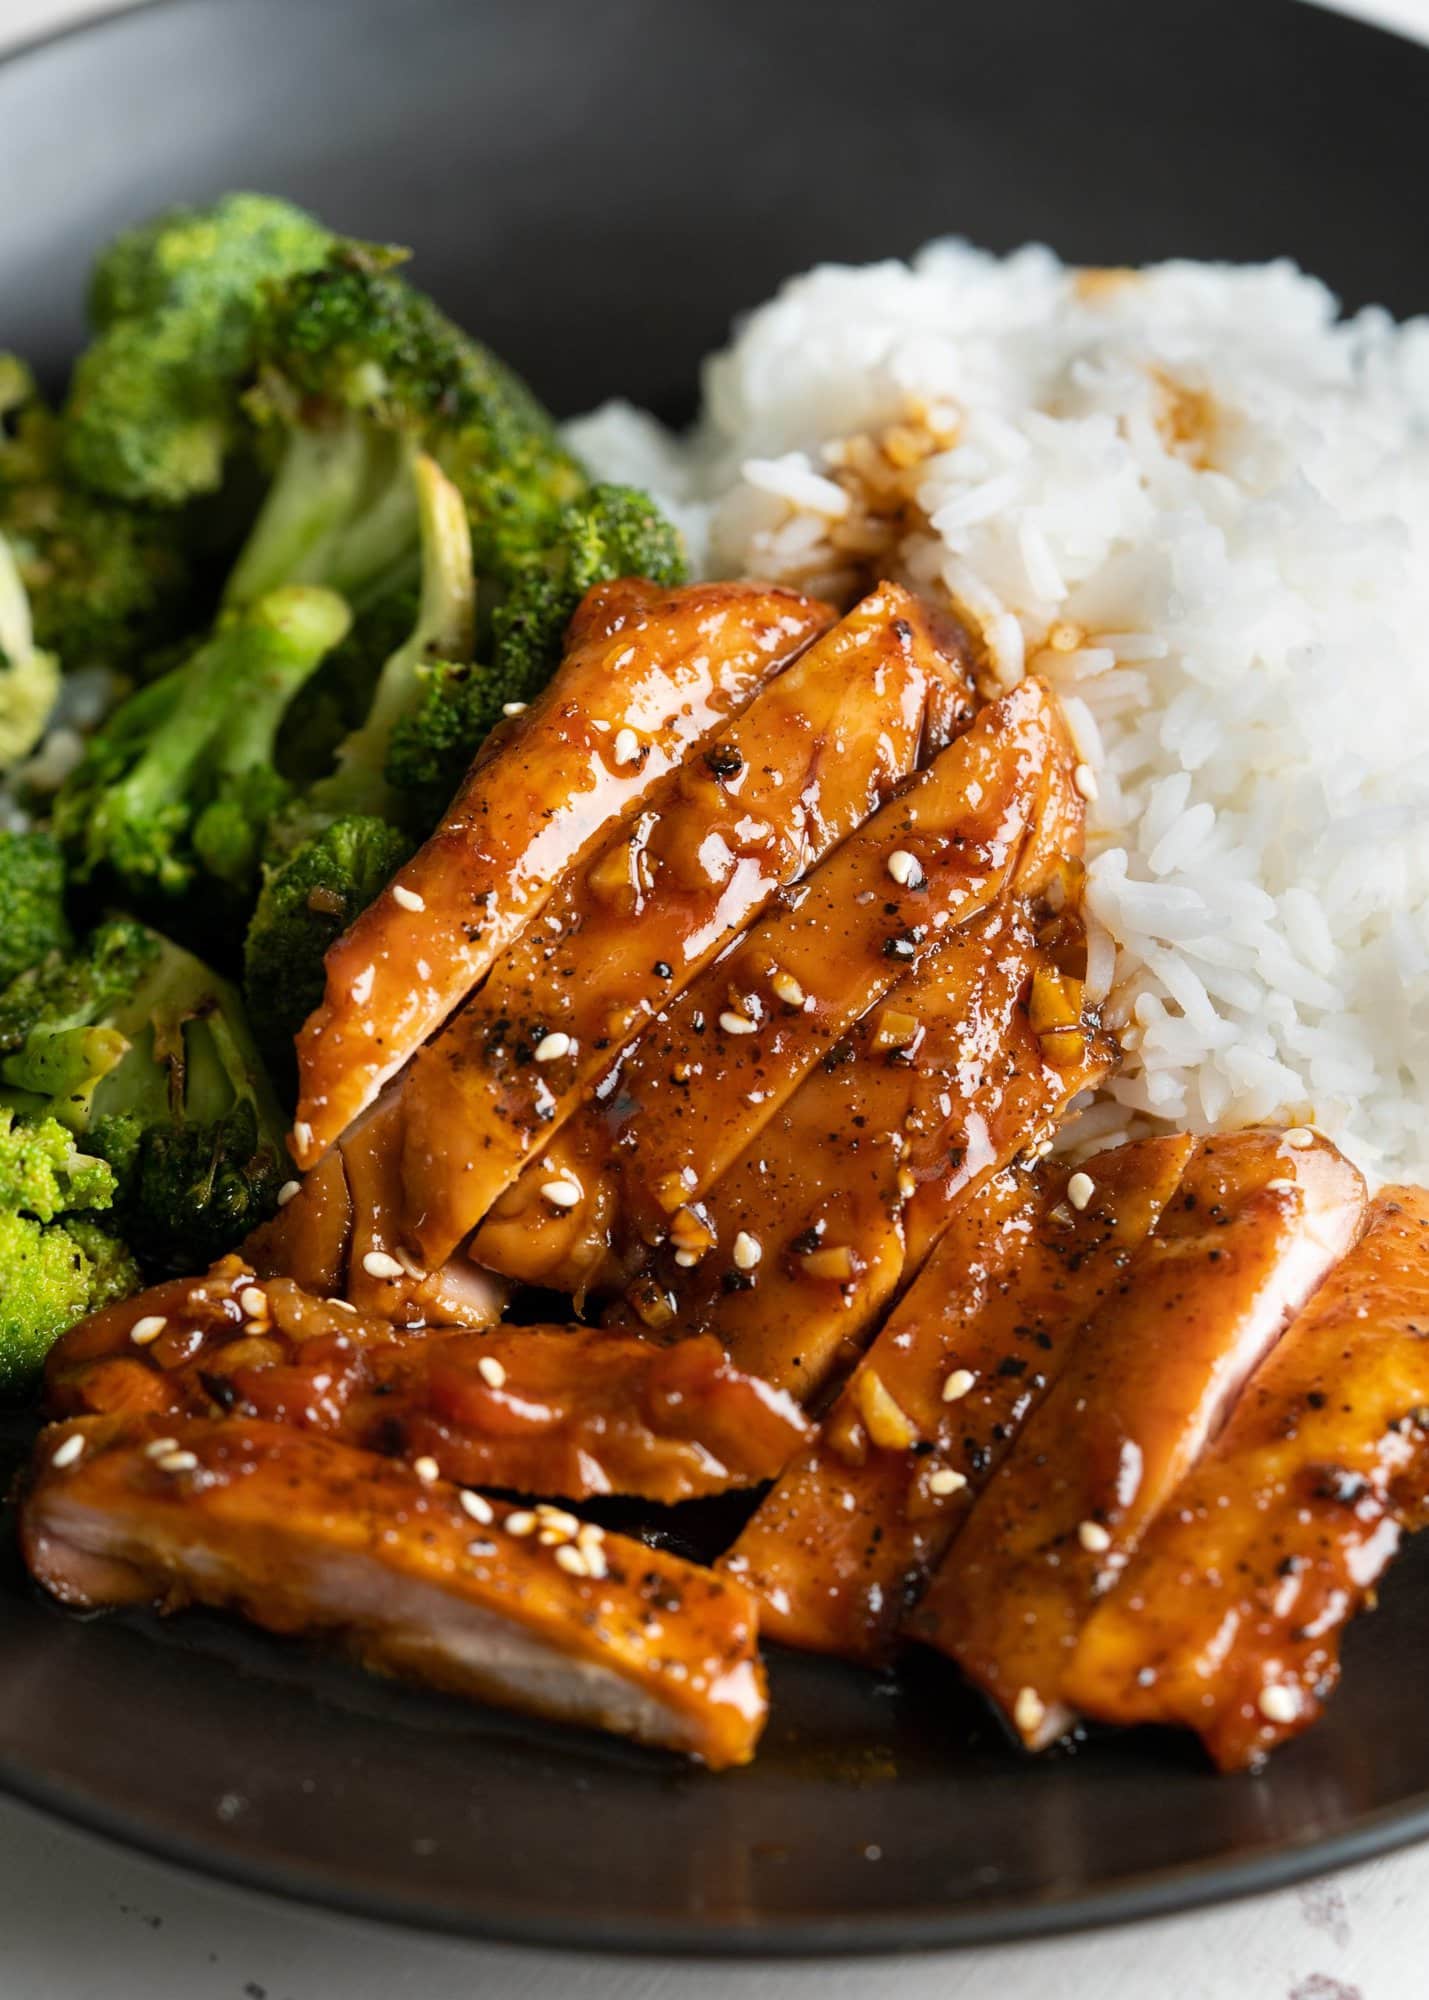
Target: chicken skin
[{"x": 413, "y": 1576}]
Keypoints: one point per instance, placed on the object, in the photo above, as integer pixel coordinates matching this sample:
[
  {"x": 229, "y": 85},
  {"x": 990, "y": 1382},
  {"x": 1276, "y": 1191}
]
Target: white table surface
[{"x": 81, "y": 1920}]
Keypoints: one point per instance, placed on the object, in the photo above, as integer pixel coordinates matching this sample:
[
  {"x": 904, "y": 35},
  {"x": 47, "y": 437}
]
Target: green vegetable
[
  {"x": 613, "y": 531},
  {"x": 32, "y": 912},
  {"x": 139, "y": 1048},
  {"x": 107, "y": 583},
  {"x": 58, "y": 1260},
  {"x": 357, "y": 373},
  {"x": 29, "y": 677},
  {"x": 303, "y": 906},
  {"x": 154, "y": 410},
  {"x": 182, "y": 778}
]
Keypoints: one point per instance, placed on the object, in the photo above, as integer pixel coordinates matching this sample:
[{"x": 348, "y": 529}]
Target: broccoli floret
[
  {"x": 29, "y": 677},
  {"x": 58, "y": 1260},
  {"x": 181, "y": 778},
  {"x": 145, "y": 1053},
  {"x": 614, "y": 531},
  {"x": 357, "y": 371},
  {"x": 32, "y": 911},
  {"x": 153, "y": 409},
  {"x": 306, "y": 902},
  {"x": 107, "y": 583}
]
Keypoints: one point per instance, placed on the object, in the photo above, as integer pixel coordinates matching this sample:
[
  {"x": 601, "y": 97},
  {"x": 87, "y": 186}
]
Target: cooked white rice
[{"x": 1198, "y": 503}]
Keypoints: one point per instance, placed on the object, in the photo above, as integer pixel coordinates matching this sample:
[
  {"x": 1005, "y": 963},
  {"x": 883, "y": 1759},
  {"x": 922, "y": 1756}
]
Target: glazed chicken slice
[
  {"x": 835, "y": 1205},
  {"x": 303, "y": 1534},
  {"x": 1256, "y": 1222},
  {"x": 648, "y": 675},
  {"x": 817, "y": 750},
  {"x": 1228, "y": 1621},
  {"x": 535, "y": 1409},
  {"x": 341, "y": 1234},
  {"x": 837, "y": 1201},
  {"x": 711, "y": 1071},
  {"x": 845, "y": 1542}
]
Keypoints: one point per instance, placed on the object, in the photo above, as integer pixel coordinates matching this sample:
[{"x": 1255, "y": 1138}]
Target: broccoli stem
[
  {"x": 340, "y": 513},
  {"x": 444, "y": 629}
]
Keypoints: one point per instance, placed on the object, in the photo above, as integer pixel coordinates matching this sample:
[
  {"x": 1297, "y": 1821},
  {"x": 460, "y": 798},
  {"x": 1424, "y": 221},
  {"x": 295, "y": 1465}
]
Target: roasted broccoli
[
  {"x": 141, "y": 1050},
  {"x": 303, "y": 906},
  {"x": 613, "y": 531},
  {"x": 154, "y": 408},
  {"x": 32, "y": 906},
  {"x": 58, "y": 1259},
  {"x": 357, "y": 372},
  {"x": 107, "y": 583},
  {"x": 181, "y": 778}
]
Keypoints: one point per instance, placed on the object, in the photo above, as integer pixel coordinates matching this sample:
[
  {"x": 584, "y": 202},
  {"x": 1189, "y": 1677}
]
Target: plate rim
[{"x": 1160, "y": 1893}]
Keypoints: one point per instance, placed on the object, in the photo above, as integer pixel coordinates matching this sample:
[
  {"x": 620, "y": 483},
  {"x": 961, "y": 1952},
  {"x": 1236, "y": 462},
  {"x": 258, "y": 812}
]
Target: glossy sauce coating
[
  {"x": 570, "y": 1411},
  {"x": 709, "y": 1074},
  {"x": 817, "y": 750},
  {"x": 300, "y": 1533},
  {"x": 648, "y": 674},
  {"x": 847, "y": 1539},
  {"x": 1229, "y": 1619},
  {"x": 1254, "y": 1225}
]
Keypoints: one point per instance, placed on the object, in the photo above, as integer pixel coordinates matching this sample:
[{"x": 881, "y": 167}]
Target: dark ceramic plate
[{"x": 597, "y": 189}]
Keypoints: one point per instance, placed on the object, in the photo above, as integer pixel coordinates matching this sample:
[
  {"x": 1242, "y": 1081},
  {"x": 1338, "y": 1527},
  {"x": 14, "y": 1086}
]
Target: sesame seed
[
  {"x": 945, "y": 1480},
  {"x": 302, "y": 1135},
  {"x": 626, "y": 747},
  {"x": 1282, "y": 1186},
  {"x": 69, "y": 1451},
  {"x": 408, "y": 898},
  {"x": 426, "y": 1469},
  {"x": 1093, "y": 1537},
  {"x": 737, "y": 1024},
  {"x": 160, "y": 1447},
  {"x": 148, "y": 1328},
  {"x": 476, "y": 1504},
  {"x": 907, "y": 1183},
  {"x": 552, "y": 1538},
  {"x": 687, "y": 1259},
  {"x": 343, "y": 1305},
  {"x": 787, "y": 988},
  {"x": 958, "y": 1385},
  {"x": 590, "y": 1534},
  {"x": 1278, "y": 1704},
  {"x": 377, "y": 1264},
  {"x": 904, "y": 868},
  {"x": 572, "y": 1561},
  {"x": 595, "y": 1562},
  {"x": 1085, "y": 780},
  {"x": 254, "y": 1301},
  {"x": 491, "y": 1371},
  {"x": 747, "y": 1251},
  {"x": 287, "y": 1191},
  {"x": 1299, "y": 1137},
  {"x": 1080, "y": 1189},
  {"x": 557, "y": 1518},
  {"x": 1029, "y": 1711},
  {"x": 513, "y": 708},
  {"x": 551, "y": 1047},
  {"x": 520, "y": 1523},
  {"x": 177, "y": 1461},
  {"x": 562, "y": 1193}
]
